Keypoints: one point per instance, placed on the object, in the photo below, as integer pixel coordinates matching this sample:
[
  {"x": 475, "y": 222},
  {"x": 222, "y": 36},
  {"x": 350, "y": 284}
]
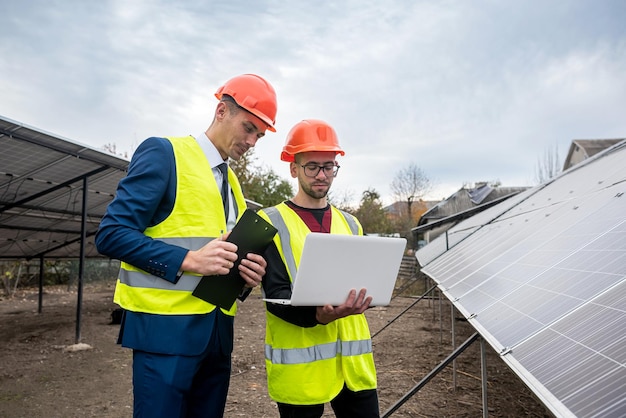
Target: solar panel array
[
  {"x": 542, "y": 277},
  {"x": 41, "y": 191}
]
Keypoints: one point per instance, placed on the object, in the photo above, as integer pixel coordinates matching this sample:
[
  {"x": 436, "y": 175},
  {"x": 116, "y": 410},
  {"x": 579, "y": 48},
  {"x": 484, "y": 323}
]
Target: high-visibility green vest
[
  {"x": 197, "y": 218},
  {"x": 307, "y": 366}
]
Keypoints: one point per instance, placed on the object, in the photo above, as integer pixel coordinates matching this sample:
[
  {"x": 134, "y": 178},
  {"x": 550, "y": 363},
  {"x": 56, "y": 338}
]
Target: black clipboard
[{"x": 251, "y": 234}]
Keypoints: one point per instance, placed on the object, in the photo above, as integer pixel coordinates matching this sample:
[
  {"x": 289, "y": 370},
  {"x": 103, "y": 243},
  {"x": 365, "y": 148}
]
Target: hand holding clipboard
[{"x": 251, "y": 234}]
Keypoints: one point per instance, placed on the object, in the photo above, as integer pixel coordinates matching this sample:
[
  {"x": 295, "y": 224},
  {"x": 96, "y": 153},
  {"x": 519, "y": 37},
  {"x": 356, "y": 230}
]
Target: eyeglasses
[{"x": 312, "y": 170}]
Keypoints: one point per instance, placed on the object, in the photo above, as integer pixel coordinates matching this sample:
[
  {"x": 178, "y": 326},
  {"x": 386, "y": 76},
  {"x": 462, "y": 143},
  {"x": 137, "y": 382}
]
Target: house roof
[
  {"x": 399, "y": 207},
  {"x": 587, "y": 148},
  {"x": 466, "y": 199}
]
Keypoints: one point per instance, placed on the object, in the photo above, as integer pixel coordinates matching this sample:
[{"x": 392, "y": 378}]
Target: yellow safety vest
[
  {"x": 308, "y": 366},
  {"x": 197, "y": 218}
]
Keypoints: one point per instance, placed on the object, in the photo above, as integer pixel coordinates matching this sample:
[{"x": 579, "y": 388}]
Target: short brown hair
[{"x": 233, "y": 107}]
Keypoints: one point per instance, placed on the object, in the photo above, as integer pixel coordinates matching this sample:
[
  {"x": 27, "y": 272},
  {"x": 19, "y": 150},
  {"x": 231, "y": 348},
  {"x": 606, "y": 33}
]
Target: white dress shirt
[{"x": 214, "y": 158}]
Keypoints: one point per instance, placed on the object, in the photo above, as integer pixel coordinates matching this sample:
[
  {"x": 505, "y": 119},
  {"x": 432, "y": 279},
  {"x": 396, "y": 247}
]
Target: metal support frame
[
  {"x": 81, "y": 264},
  {"x": 456, "y": 351},
  {"x": 430, "y": 375},
  {"x": 41, "y": 271},
  {"x": 81, "y": 261},
  {"x": 453, "y": 337},
  {"x": 483, "y": 375}
]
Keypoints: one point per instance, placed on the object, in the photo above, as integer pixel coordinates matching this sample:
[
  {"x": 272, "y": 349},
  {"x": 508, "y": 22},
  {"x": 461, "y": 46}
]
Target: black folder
[{"x": 251, "y": 234}]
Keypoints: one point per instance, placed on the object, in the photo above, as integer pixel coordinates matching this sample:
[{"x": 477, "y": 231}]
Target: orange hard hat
[
  {"x": 254, "y": 94},
  {"x": 310, "y": 135}
]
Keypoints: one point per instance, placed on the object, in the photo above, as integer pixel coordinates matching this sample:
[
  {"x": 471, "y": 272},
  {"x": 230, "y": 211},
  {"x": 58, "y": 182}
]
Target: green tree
[
  {"x": 260, "y": 183},
  {"x": 371, "y": 214}
]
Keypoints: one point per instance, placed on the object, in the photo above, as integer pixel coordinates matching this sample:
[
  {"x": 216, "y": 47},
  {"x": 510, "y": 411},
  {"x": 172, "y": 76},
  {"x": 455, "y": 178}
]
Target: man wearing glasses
[{"x": 314, "y": 355}]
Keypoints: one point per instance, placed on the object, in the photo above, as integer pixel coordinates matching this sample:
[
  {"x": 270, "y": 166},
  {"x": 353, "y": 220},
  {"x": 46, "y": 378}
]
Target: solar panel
[
  {"x": 41, "y": 191},
  {"x": 542, "y": 276},
  {"x": 459, "y": 232}
]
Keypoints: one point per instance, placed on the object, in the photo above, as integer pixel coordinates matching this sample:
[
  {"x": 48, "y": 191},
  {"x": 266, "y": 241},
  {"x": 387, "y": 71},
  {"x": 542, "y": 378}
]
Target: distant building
[
  {"x": 468, "y": 201},
  {"x": 581, "y": 149},
  {"x": 399, "y": 209},
  {"x": 460, "y": 205}
]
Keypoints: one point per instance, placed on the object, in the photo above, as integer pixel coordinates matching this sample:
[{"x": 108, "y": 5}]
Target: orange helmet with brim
[
  {"x": 310, "y": 135},
  {"x": 254, "y": 94}
]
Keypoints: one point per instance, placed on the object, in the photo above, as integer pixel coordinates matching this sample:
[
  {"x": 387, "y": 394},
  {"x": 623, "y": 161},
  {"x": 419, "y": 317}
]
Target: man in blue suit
[{"x": 168, "y": 224}]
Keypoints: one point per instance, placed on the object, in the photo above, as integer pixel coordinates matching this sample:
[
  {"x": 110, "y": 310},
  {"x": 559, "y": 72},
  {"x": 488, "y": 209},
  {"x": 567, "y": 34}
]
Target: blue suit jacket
[{"x": 144, "y": 198}]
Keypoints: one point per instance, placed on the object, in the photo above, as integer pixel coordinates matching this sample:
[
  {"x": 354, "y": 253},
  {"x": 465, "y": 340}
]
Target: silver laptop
[{"x": 332, "y": 265}]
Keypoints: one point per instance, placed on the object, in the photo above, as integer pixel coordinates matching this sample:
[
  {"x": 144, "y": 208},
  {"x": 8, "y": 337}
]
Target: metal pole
[
  {"x": 453, "y": 346},
  {"x": 483, "y": 376},
  {"x": 440, "y": 321},
  {"x": 435, "y": 292},
  {"x": 41, "y": 269},
  {"x": 83, "y": 233},
  {"x": 430, "y": 375}
]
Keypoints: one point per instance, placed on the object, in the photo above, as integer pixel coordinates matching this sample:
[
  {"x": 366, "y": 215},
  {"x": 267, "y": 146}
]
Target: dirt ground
[{"x": 40, "y": 375}]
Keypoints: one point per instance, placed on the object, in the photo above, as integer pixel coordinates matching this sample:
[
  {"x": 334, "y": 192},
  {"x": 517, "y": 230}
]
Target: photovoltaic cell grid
[
  {"x": 544, "y": 282},
  {"x": 459, "y": 232},
  {"x": 41, "y": 192}
]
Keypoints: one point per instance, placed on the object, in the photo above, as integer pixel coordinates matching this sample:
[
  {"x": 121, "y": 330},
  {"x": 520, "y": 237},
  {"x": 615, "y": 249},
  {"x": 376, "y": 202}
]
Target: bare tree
[
  {"x": 549, "y": 165},
  {"x": 112, "y": 148},
  {"x": 410, "y": 184}
]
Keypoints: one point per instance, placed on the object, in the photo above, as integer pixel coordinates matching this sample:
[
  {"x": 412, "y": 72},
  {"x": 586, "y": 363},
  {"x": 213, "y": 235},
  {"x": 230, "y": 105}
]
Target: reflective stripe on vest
[
  {"x": 187, "y": 282},
  {"x": 317, "y": 352},
  {"x": 351, "y": 222}
]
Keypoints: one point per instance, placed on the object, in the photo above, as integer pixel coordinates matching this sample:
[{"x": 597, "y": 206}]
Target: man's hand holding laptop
[{"x": 354, "y": 304}]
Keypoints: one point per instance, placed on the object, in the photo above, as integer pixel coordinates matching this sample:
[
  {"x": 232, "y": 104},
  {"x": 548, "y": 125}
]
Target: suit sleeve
[{"x": 144, "y": 198}]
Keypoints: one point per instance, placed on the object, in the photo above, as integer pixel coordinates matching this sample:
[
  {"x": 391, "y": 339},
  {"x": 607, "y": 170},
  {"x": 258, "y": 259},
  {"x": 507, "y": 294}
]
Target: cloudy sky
[{"x": 466, "y": 90}]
